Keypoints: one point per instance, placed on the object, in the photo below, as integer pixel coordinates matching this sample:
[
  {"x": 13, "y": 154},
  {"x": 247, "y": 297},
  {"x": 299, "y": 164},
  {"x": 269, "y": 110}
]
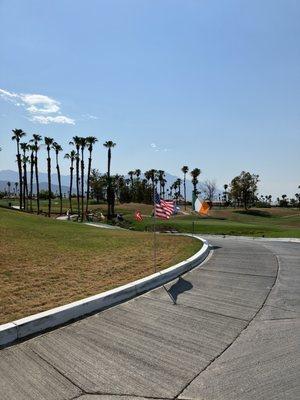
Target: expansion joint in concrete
[
  {"x": 241, "y": 332},
  {"x": 59, "y": 372}
]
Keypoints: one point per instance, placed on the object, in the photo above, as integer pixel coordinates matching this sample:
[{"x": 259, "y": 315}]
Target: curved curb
[{"x": 40, "y": 322}]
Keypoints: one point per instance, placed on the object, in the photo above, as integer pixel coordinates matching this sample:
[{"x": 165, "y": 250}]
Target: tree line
[
  {"x": 137, "y": 187},
  {"x": 88, "y": 183},
  {"x": 242, "y": 192}
]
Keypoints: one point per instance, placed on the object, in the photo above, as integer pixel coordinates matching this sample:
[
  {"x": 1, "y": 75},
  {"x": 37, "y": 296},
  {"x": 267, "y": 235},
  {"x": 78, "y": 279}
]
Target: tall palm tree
[
  {"x": 194, "y": 174},
  {"x": 90, "y": 141},
  {"x": 147, "y": 175},
  {"x": 57, "y": 148},
  {"x": 110, "y": 195},
  {"x": 17, "y": 135},
  {"x": 71, "y": 156},
  {"x": 179, "y": 181},
  {"x": 161, "y": 176},
  {"x": 137, "y": 173},
  {"x": 8, "y": 188},
  {"x": 175, "y": 187},
  {"x": 131, "y": 173},
  {"x": 36, "y": 138},
  {"x": 31, "y": 148},
  {"x": 185, "y": 170},
  {"x": 16, "y": 188},
  {"x": 25, "y": 160},
  {"x": 82, "y": 146},
  {"x": 48, "y": 143},
  {"x": 76, "y": 143},
  {"x": 163, "y": 185}
]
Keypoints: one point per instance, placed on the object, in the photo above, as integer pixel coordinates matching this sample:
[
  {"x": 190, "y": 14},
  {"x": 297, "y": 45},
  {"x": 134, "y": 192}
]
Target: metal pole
[{"x": 154, "y": 245}]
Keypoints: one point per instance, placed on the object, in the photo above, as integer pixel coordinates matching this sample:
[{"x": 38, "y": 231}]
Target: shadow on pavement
[
  {"x": 179, "y": 287},
  {"x": 214, "y": 247}
]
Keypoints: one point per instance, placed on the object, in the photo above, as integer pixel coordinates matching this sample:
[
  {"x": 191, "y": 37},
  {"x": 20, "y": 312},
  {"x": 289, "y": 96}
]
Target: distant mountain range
[{"x": 13, "y": 176}]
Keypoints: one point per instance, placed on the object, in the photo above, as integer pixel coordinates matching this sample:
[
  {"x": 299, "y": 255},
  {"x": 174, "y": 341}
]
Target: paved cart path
[{"x": 232, "y": 335}]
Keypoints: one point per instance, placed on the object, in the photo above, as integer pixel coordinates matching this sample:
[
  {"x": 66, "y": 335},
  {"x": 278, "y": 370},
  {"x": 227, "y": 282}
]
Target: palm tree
[
  {"x": 8, "y": 188},
  {"x": 137, "y": 173},
  {"x": 185, "y": 170},
  {"x": 82, "y": 145},
  {"x": 225, "y": 191},
  {"x": 131, "y": 173},
  {"x": 16, "y": 188},
  {"x": 147, "y": 175},
  {"x": 161, "y": 176},
  {"x": 71, "y": 156},
  {"x": 76, "y": 143},
  {"x": 48, "y": 143},
  {"x": 17, "y": 135},
  {"x": 194, "y": 174},
  {"x": 57, "y": 148},
  {"x": 163, "y": 185},
  {"x": 32, "y": 149},
  {"x": 179, "y": 181},
  {"x": 35, "y": 140},
  {"x": 110, "y": 195},
  {"x": 25, "y": 160},
  {"x": 90, "y": 141}
]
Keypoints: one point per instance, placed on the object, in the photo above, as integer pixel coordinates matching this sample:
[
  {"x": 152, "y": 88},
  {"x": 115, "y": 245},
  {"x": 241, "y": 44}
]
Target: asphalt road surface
[{"x": 234, "y": 334}]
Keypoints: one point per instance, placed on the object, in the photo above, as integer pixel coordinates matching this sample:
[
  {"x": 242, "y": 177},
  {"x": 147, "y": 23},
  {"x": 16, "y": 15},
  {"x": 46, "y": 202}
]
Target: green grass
[
  {"x": 255, "y": 222},
  {"x": 55, "y": 205},
  {"x": 45, "y": 263},
  {"x": 268, "y": 222}
]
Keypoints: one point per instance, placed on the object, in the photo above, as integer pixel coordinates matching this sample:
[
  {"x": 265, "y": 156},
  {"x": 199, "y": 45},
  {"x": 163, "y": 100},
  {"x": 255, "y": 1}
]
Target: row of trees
[
  {"x": 136, "y": 187},
  {"x": 27, "y": 154},
  {"x": 242, "y": 191}
]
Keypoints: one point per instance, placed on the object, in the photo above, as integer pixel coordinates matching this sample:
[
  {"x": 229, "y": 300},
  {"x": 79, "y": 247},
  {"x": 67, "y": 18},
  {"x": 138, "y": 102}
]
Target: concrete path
[{"x": 232, "y": 335}]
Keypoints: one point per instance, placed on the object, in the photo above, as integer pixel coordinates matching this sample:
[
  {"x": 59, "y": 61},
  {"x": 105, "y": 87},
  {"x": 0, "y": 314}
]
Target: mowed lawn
[
  {"x": 45, "y": 263},
  {"x": 269, "y": 222}
]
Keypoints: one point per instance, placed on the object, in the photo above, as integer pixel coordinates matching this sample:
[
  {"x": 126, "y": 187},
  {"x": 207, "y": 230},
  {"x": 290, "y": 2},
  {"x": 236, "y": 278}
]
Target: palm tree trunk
[
  {"x": 49, "y": 183},
  {"x": 109, "y": 185},
  {"x": 88, "y": 183},
  {"x": 25, "y": 191},
  {"x": 59, "y": 183},
  {"x": 71, "y": 184},
  {"x": 77, "y": 183},
  {"x": 37, "y": 183},
  {"x": 184, "y": 188},
  {"x": 82, "y": 188},
  {"x": 31, "y": 178},
  {"x": 20, "y": 175}
]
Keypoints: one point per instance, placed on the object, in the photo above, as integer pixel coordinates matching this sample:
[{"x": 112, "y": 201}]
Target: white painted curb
[{"x": 56, "y": 316}]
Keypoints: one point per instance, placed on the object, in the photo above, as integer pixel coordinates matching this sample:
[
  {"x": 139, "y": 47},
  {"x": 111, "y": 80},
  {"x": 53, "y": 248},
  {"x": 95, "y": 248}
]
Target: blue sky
[{"x": 212, "y": 84}]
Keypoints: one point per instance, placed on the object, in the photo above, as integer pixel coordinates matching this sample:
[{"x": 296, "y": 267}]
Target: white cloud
[
  {"x": 156, "y": 148},
  {"x": 38, "y": 105},
  {"x": 89, "y": 116},
  {"x": 59, "y": 119}
]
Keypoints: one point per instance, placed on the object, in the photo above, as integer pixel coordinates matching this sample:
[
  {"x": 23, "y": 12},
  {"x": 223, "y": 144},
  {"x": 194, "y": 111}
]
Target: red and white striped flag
[{"x": 163, "y": 208}]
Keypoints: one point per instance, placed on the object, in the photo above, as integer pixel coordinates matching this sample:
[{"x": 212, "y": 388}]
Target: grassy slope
[{"x": 46, "y": 263}]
